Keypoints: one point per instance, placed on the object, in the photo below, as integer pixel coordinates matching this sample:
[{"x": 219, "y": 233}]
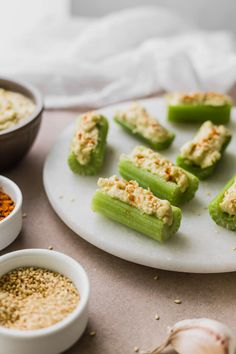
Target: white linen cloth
[{"x": 128, "y": 54}]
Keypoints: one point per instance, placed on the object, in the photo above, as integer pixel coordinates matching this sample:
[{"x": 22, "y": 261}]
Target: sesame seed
[
  {"x": 92, "y": 333},
  {"x": 136, "y": 349},
  {"x": 177, "y": 301},
  {"x": 157, "y": 317},
  {"x": 234, "y": 249},
  {"x": 156, "y": 277},
  {"x": 50, "y": 248},
  {"x": 24, "y": 215}
]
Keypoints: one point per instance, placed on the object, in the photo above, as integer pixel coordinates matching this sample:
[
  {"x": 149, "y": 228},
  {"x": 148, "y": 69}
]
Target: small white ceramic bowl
[
  {"x": 10, "y": 227},
  {"x": 59, "y": 337}
]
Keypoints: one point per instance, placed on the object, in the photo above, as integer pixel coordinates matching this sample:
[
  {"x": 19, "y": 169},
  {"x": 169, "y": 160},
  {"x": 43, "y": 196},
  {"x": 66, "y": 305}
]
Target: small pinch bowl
[
  {"x": 11, "y": 226},
  {"x": 62, "y": 335},
  {"x": 15, "y": 142}
]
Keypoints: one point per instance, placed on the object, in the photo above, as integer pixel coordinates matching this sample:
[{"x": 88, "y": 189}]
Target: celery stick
[
  {"x": 184, "y": 113},
  {"x": 132, "y": 217},
  {"x": 218, "y": 215},
  {"x": 156, "y": 145},
  {"x": 97, "y": 155},
  {"x": 158, "y": 185},
  {"x": 201, "y": 173}
]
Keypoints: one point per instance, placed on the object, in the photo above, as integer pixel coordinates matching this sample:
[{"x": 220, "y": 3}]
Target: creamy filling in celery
[
  {"x": 154, "y": 163},
  {"x": 138, "y": 197},
  {"x": 86, "y": 136},
  {"x": 214, "y": 99},
  {"x": 204, "y": 149},
  {"x": 14, "y": 108},
  {"x": 143, "y": 123},
  {"x": 228, "y": 204}
]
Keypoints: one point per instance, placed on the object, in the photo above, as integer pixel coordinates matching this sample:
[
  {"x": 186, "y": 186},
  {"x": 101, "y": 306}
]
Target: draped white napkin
[{"x": 128, "y": 54}]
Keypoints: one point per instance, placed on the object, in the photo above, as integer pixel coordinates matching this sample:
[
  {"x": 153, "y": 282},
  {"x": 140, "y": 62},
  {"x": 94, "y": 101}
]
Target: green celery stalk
[
  {"x": 201, "y": 173},
  {"x": 156, "y": 145},
  {"x": 157, "y": 184},
  {"x": 220, "y": 217},
  {"x": 199, "y": 113},
  {"x": 132, "y": 217},
  {"x": 97, "y": 155}
]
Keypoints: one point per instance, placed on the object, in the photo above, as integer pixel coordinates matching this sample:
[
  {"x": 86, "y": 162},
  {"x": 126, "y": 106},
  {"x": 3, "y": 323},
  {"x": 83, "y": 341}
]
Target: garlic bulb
[{"x": 199, "y": 336}]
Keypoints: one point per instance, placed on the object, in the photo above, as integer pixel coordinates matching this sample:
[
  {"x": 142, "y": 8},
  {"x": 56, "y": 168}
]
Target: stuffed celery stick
[
  {"x": 201, "y": 155},
  {"x": 223, "y": 207},
  {"x": 87, "y": 148},
  {"x": 137, "y": 121},
  {"x": 136, "y": 207},
  {"x": 165, "y": 180},
  {"x": 197, "y": 107}
]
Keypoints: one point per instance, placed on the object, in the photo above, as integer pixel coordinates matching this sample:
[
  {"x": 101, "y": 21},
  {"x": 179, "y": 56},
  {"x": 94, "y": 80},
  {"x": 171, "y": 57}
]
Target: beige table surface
[{"x": 124, "y": 296}]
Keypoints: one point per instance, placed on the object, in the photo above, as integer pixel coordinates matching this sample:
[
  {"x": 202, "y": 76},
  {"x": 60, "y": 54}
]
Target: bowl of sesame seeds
[
  {"x": 10, "y": 211},
  {"x": 43, "y": 302}
]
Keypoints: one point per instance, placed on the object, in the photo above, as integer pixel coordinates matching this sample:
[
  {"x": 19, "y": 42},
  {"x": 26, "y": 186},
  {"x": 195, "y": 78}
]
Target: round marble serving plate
[{"x": 200, "y": 245}]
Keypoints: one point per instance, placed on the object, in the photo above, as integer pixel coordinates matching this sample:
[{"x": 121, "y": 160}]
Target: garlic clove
[{"x": 200, "y": 336}]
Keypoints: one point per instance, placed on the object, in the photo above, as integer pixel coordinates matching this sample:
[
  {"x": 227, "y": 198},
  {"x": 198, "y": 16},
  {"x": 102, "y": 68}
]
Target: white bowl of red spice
[
  {"x": 43, "y": 300},
  {"x": 10, "y": 211}
]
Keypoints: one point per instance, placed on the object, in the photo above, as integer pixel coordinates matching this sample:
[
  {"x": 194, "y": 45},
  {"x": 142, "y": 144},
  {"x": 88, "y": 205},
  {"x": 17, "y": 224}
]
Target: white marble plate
[{"x": 200, "y": 245}]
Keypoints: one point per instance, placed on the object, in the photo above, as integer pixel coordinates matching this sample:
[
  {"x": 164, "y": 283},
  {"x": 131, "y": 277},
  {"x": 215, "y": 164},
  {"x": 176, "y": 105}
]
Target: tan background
[{"x": 124, "y": 296}]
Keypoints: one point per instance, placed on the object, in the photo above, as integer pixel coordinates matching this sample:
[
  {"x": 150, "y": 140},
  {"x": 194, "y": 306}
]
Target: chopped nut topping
[
  {"x": 142, "y": 199},
  {"x": 86, "y": 137},
  {"x": 153, "y": 162},
  {"x": 199, "y": 98},
  {"x": 205, "y": 149},
  {"x": 228, "y": 204},
  {"x": 34, "y": 298},
  {"x": 143, "y": 123}
]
